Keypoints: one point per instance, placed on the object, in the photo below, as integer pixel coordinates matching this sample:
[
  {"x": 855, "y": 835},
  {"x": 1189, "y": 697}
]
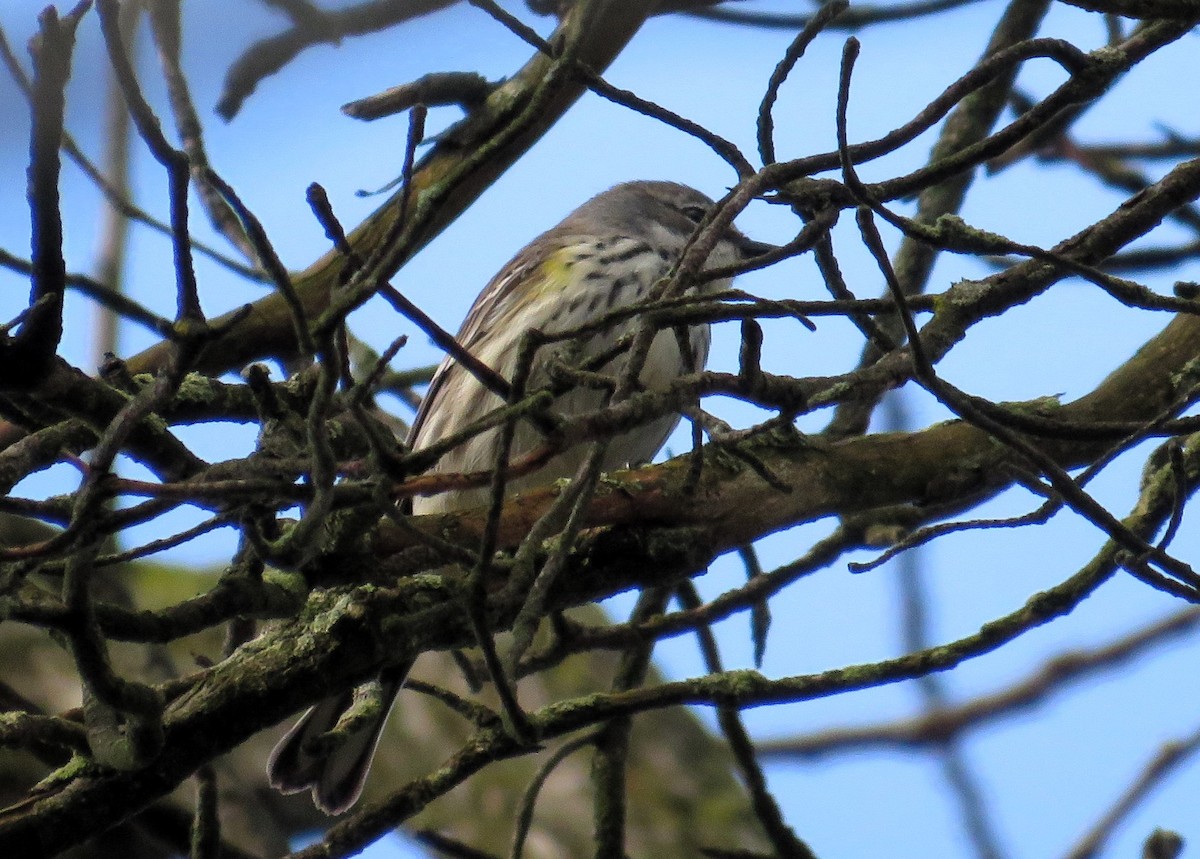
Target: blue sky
[{"x": 1047, "y": 774}]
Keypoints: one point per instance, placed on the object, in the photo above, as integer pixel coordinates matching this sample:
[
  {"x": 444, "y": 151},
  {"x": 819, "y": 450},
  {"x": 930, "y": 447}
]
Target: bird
[{"x": 605, "y": 255}]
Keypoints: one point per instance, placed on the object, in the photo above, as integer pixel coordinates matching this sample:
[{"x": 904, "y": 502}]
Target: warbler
[{"x": 605, "y": 255}]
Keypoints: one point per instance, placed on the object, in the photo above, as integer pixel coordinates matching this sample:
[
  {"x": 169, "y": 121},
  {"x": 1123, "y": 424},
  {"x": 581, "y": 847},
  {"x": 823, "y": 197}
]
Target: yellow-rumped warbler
[{"x": 606, "y": 254}]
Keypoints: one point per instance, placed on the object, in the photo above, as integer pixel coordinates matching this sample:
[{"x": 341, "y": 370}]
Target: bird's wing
[{"x": 490, "y": 306}]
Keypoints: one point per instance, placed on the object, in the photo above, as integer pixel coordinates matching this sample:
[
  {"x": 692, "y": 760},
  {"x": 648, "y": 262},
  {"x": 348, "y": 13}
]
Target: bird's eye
[{"x": 695, "y": 214}]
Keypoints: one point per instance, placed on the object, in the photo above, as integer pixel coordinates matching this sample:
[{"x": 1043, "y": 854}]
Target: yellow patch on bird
[{"x": 555, "y": 271}]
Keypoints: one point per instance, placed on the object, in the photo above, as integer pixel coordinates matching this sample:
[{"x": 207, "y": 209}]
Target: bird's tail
[{"x": 334, "y": 766}]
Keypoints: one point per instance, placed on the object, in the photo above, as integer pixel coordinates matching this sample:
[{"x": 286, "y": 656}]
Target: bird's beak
[{"x": 749, "y": 248}]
